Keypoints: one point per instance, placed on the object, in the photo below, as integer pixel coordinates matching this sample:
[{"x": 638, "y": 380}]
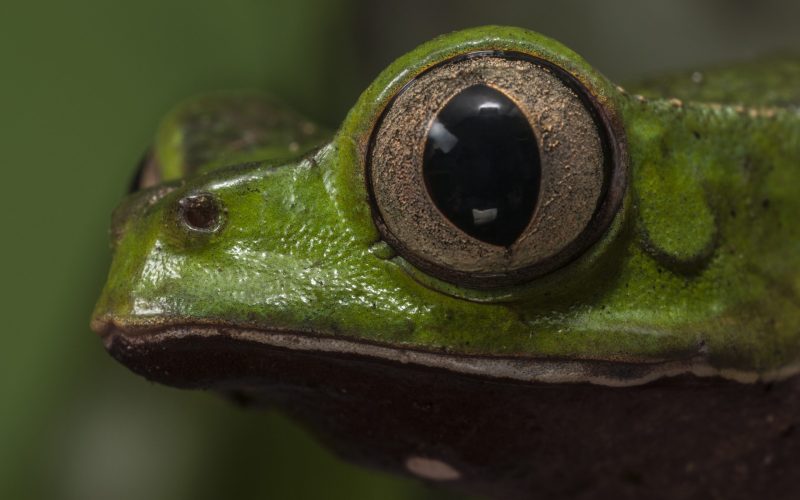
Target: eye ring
[{"x": 583, "y": 174}]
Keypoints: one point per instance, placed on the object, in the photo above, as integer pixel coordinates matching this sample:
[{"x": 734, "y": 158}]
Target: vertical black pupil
[{"x": 481, "y": 165}]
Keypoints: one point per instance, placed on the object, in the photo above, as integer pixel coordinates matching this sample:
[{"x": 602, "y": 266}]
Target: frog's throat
[{"x": 133, "y": 346}]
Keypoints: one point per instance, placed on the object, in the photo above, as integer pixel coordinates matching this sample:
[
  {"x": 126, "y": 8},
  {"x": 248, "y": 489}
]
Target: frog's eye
[{"x": 493, "y": 168}]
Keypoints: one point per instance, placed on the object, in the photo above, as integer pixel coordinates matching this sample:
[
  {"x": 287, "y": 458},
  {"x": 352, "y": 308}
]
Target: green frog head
[{"x": 491, "y": 206}]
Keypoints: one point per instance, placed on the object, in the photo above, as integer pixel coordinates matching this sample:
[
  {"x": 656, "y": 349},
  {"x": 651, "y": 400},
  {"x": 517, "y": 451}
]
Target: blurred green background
[{"x": 82, "y": 87}]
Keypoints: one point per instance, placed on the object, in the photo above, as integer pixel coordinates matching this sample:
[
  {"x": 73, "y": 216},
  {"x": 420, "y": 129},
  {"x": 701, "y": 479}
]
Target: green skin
[{"x": 698, "y": 273}]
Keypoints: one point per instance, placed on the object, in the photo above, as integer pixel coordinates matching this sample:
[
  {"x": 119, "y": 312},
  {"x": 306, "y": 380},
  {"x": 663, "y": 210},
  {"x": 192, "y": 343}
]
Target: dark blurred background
[{"x": 82, "y": 87}]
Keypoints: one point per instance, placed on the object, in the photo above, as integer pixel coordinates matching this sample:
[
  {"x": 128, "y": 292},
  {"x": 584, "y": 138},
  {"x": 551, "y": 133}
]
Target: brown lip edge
[
  {"x": 107, "y": 326},
  {"x": 520, "y": 369}
]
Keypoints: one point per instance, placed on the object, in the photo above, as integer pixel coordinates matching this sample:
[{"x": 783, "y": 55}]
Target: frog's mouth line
[{"x": 126, "y": 342}]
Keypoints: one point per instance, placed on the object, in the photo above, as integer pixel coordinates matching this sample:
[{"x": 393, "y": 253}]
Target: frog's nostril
[{"x": 201, "y": 212}]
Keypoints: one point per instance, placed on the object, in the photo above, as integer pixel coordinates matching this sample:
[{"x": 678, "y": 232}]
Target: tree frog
[{"x": 503, "y": 273}]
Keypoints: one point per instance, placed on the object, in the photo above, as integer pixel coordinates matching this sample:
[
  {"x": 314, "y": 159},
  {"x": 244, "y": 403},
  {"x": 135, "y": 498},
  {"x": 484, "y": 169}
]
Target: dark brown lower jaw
[{"x": 680, "y": 437}]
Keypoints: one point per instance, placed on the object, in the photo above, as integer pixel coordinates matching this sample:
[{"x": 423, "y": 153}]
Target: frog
[{"x": 503, "y": 274}]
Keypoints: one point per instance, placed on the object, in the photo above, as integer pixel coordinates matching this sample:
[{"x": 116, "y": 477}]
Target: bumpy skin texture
[{"x": 296, "y": 300}]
